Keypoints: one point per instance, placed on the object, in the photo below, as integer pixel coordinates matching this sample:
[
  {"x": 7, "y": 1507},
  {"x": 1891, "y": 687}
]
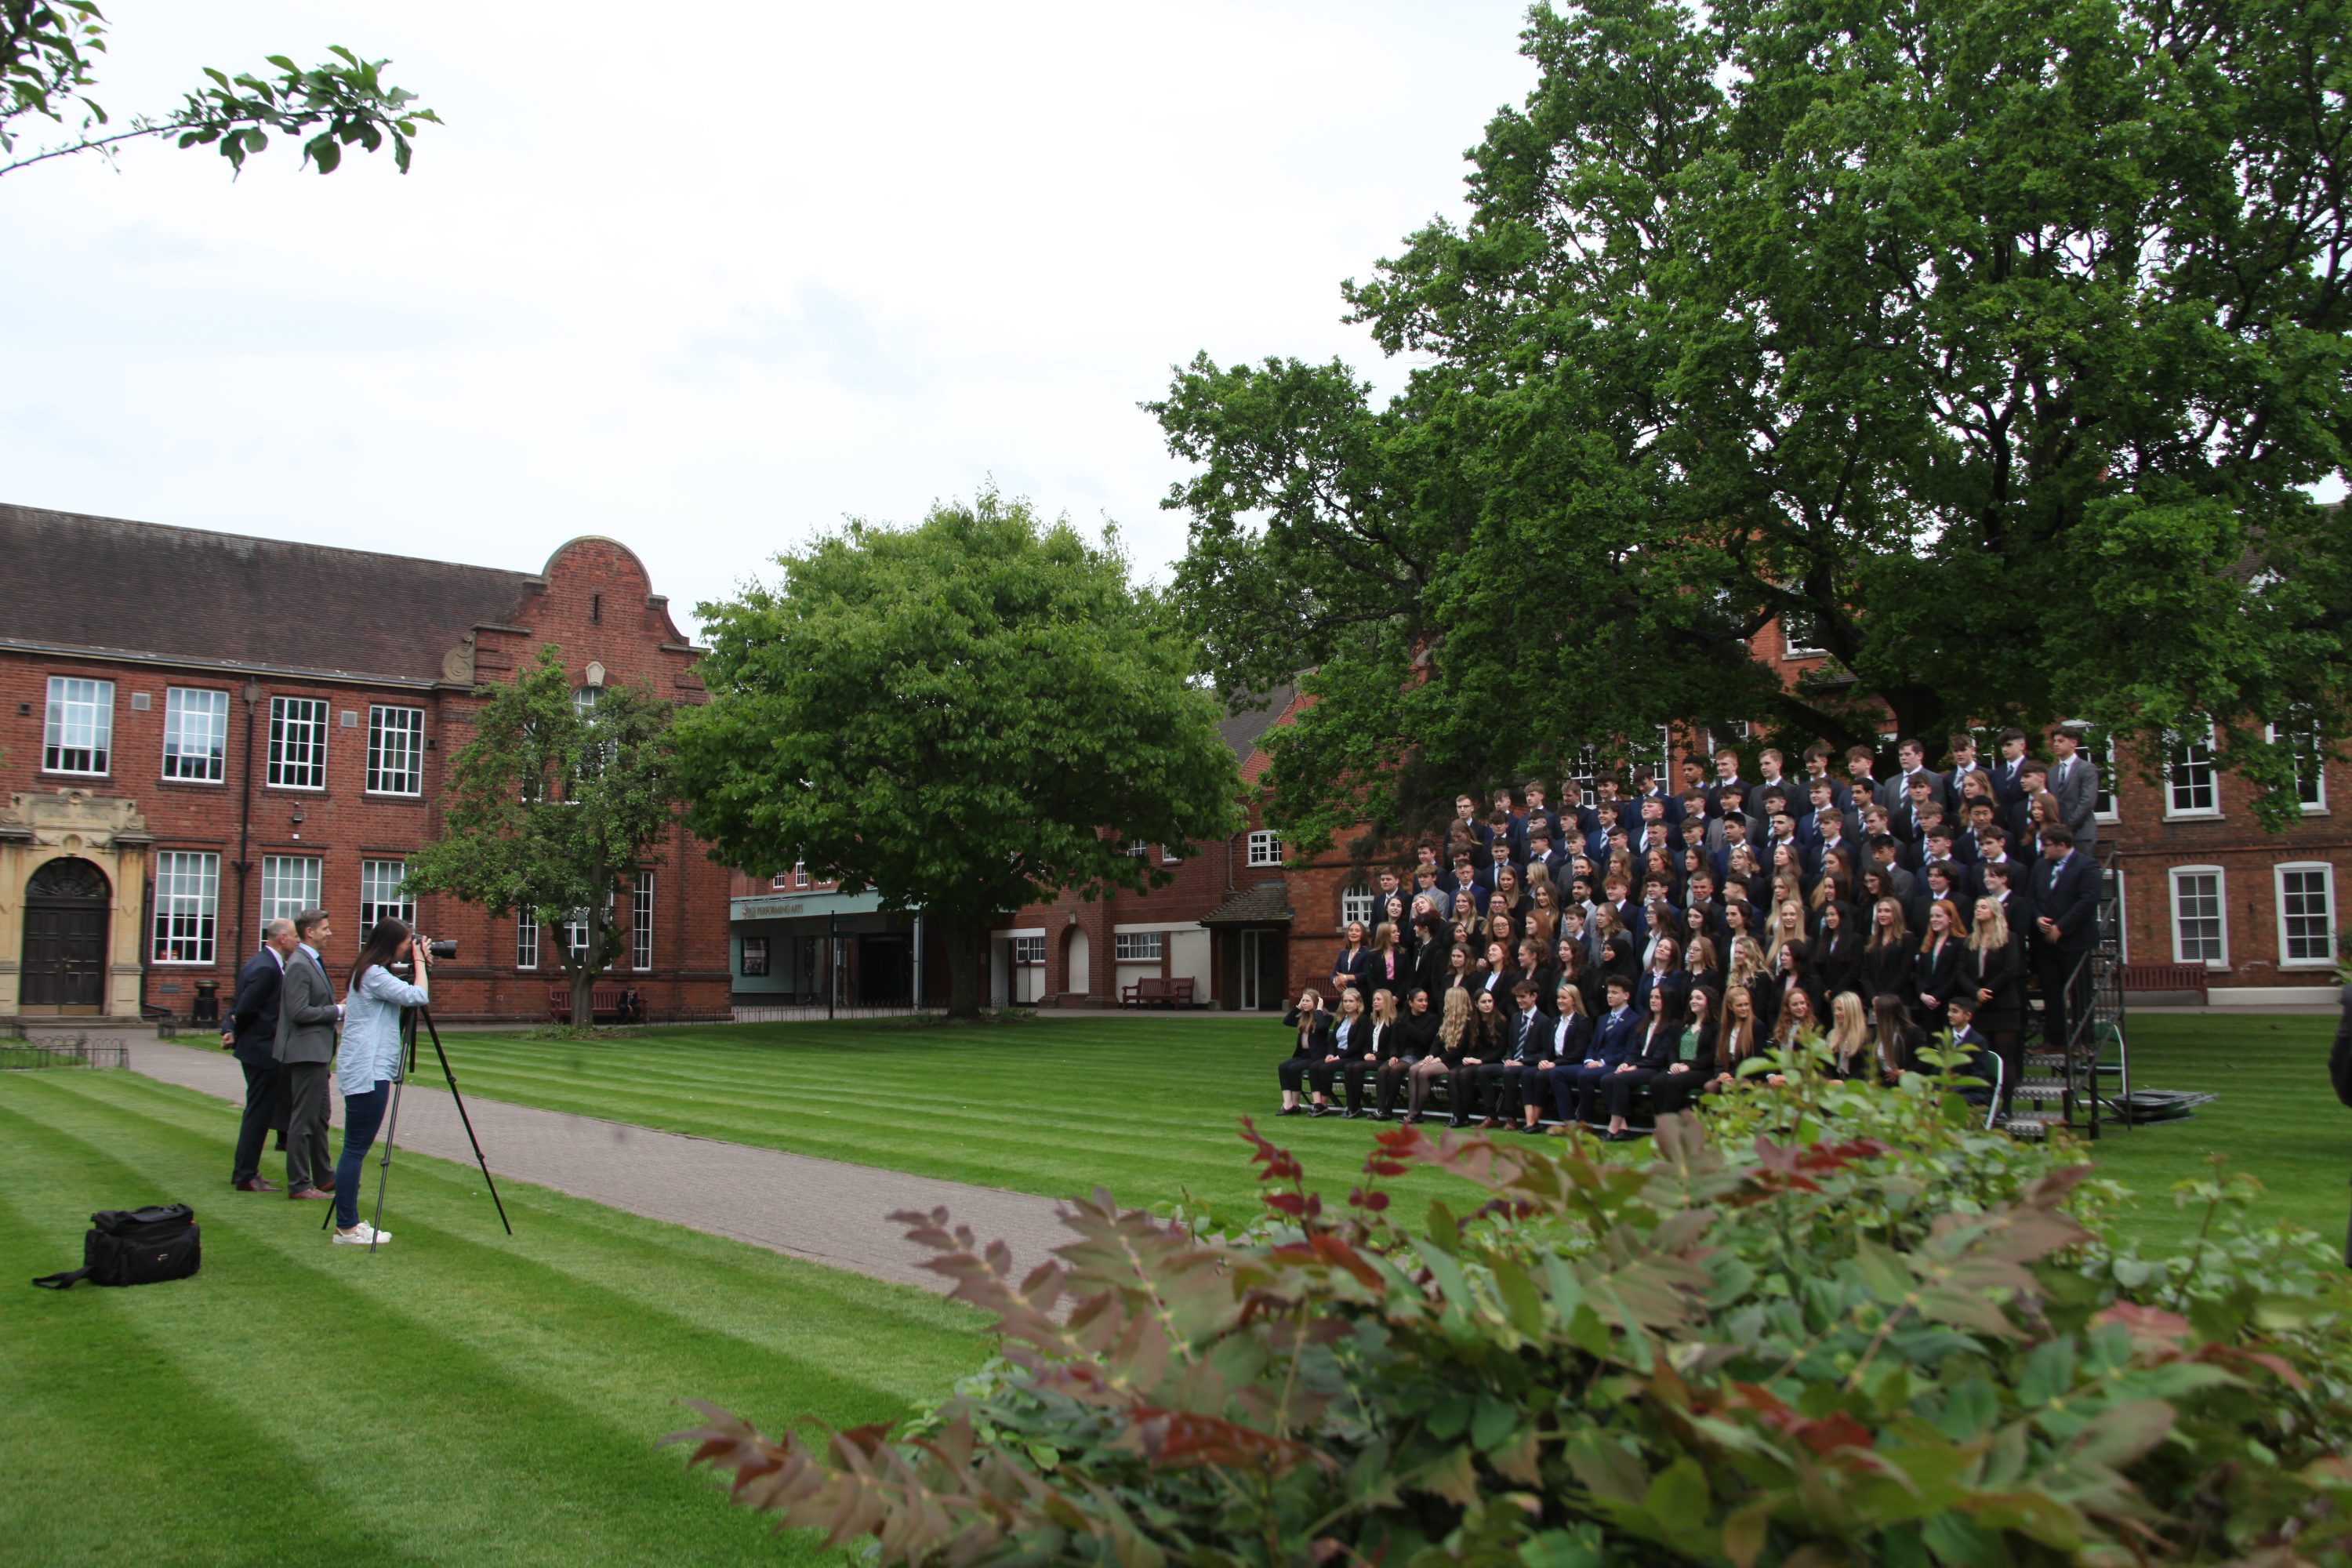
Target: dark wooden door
[{"x": 65, "y": 955}]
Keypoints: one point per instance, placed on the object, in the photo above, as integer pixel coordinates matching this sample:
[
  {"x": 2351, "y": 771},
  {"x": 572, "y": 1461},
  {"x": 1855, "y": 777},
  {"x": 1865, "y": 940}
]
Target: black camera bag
[{"x": 136, "y": 1247}]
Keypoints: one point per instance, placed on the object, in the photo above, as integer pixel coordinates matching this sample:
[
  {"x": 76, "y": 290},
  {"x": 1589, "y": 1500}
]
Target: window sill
[
  {"x": 2320, "y": 810},
  {"x": 183, "y": 963},
  {"x": 2306, "y": 964},
  {"x": 77, "y": 778},
  {"x": 2215, "y": 816},
  {"x": 191, "y": 784},
  {"x": 392, "y": 795}
]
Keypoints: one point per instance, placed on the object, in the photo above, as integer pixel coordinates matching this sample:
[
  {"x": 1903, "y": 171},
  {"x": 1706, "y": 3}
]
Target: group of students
[{"x": 1655, "y": 940}]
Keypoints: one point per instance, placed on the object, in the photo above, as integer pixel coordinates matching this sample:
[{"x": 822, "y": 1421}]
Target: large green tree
[
  {"x": 965, "y": 716},
  {"x": 1988, "y": 346},
  {"x": 48, "y": 58},
  {"x": 550, "y": 807}
]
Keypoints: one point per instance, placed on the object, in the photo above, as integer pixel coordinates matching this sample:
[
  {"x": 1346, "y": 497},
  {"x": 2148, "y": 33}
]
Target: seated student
[
  {"x": 1982, "y": 1062},
  {"x": 1483, "y": 1042},
  {"x": 1740, "y": 1037},
  {"x": 1572, "y": 1041},
  {"x": 1853, "y": 1053},
  {"x": 1899, "y": 1039},
  {"x": 1799, "y": 1018},
  {"x": 1935, "y": 968},
  {"x": 1661, "y": 1027},
  {"x": 1449, "y": 1044},
  {"x": 1526, "y": 1034},
  {"x": 1701, "y": 967},
  {"x": 1403, "y": 1049},
  {"x": 1615, "y": 1036},
  {"x": 1671, "y": 1064},
  {"x": 1349, "y": 1061},
  {"x": 1313, "y": 1028}
]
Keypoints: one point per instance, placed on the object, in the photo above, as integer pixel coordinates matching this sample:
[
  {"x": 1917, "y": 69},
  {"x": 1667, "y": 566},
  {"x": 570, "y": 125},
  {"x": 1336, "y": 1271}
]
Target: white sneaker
[{"x": 360, "y": 1235}]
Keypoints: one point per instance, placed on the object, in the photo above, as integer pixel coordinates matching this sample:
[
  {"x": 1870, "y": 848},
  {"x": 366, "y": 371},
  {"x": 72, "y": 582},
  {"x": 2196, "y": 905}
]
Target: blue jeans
[{"x": 362, "y": 1114}]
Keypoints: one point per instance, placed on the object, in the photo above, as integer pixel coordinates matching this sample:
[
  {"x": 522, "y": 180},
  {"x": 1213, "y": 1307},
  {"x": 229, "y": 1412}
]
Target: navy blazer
[
  {"x": 1617, "y": 1037},
  {"x": 253, "y": 1011},
  {"x": 1573, "y": 1045},
  {"x": 2067, "y": 892},
  {"x": 1314, "y": 1044}
]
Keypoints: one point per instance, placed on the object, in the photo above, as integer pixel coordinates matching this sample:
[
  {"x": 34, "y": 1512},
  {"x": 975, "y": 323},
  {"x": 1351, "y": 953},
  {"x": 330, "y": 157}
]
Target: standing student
[
  {"x": 307, "y": 1015},
  {"x": 369, "y": 1062},
  {"x": 2074, "y": 780},
  {"x": 1741, "y": 1036},
  {"x": 252, "y": 1032},
  {"x": 1353, "y": 967},
  {"x": 1936, "y": 972},
  {"x": 1993, "y": 974},
  {"x": 2066, "y": 898},
  {"x": 2339, "y": 1072},
  {"x": 1886, "y": 966}
]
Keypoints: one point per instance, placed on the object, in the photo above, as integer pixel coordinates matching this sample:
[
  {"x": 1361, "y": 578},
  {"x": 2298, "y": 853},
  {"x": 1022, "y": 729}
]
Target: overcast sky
[{"x": 708, "y": 284}]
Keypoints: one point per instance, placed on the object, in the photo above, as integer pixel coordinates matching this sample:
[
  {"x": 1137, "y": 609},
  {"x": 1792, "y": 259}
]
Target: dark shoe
[
  {"x": 1458, "y": 1122},
  {"x": 1622, "y": 1137},
  {"x": 1294, "y": 1110},
  {"x": 255, "y": 1185},
  {"x": 1490, "y": 1125},
  {"x": 310, "y": 1193},
  {"x": 1318, "y": 1111},
  {"x": 328, "y": 1187}
]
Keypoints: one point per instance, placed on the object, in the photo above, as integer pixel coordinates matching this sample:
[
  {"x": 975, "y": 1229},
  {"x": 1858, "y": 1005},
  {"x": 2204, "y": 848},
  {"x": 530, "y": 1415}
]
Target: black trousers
[
  {"x": 2061, "y": 1005},
  {"x": 306, "y": 1164},
  {"x": 1293, "y": 1072},
  {"x": 1499, "y": 1085},
  {"x": 1352, "y": 1073},
  {"x": 1393, "y": 1085},
  {"x": 261, "y": 1103},
  {"x": 1669, "y": 1091}
]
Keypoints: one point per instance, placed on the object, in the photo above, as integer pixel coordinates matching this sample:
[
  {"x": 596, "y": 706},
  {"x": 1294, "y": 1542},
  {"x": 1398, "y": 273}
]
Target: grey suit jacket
[
  {"x": 2078, "y": 798},
  {"x": 306, "y": 1012}
]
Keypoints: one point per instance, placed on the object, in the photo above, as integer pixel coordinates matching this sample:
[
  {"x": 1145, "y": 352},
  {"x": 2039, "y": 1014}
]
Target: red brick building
[{"x": 199, "y": 732}]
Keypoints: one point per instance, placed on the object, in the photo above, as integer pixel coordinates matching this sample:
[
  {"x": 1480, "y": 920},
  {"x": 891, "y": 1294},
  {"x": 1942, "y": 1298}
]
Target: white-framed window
[
  {"x": 2310, "y": 769},
  {"x": 77, "y": 735},
  {"x": 1138, "y": 946},
  {"x": 187, "y": 900},
  {"x": 289, "y": 884},
  {"x": 1139, "y": 848},
  {"x": 1264, "y": 848},
  {"x": 583, "y": 701},
  {"x": 395, "y": 762},
  {"x": 1584, "y": 770},
  {"x": 1029, "y": 951},
  {"x": 298, "y": 742},
  {"x": 380, "y": 894},
  {"x": 2123, "y": 916},
  {"x": 1355, "y": 904},
  {"x": 2307, "y": 913},
  {"x": 2191, "y": 788},
  {"x": 2103, "y": 806},
  {"x": 195, "y": 733},
  {"x": 1171, "y": 854},
  {"x": 780, "y": 880},
  {"x": 2201, "y": 921},
  {"x": 525, "y": 940},
  {"x": 1663, "y": 767},
  {"x": 1801, "y": 638},
  {"x": 575, "y": 935},
  {"x": 641, "y": 921}
]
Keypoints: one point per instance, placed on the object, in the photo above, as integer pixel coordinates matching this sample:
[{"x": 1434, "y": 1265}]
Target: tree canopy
[
  {"x": 48, "y": 57},
  {"x": 551, "y": 806},
  {"x": 1989, "y": 348},
  {"x": 965, "y": 716}
]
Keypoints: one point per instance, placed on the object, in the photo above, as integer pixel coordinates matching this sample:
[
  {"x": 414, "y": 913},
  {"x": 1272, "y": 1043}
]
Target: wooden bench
[
  {"x": 604, "y": 1005},
  {"x": 2193, "y": 977},
  {"x": 1157, "y": 991}
]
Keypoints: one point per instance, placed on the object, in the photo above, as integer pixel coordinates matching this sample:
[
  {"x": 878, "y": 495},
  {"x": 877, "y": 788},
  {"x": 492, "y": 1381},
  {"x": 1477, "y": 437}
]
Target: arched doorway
[
  {"x": 67, "y": 906},
  {"x": 1078, "y": 964}
]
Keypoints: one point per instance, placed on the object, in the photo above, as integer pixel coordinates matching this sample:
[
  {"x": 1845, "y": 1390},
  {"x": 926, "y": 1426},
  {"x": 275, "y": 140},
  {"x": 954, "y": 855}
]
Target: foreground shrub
[{"x": 1836, "y": 1325}]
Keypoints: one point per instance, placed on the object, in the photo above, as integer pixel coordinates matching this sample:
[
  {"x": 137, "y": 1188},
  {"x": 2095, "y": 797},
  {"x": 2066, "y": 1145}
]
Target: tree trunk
[
  {"x": 962, "y": 934},
  {"x": 584, "y": 998}
]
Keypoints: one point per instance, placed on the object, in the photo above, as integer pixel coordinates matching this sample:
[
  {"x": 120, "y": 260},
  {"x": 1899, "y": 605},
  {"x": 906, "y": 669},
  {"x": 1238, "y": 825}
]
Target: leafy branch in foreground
[
  {"x": 48, "y": 56},
  {"x": 1836, "y": 1324}
]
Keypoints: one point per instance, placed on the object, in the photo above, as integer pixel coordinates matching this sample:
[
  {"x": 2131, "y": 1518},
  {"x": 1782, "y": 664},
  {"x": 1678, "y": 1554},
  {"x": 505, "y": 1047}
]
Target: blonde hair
[
  {"x": 1384, "y": 1006},
  {"x": 1849, "y": 1030},
  {"x": 1456, "y": 1021},
  {"x": 1990, "y": 928},
  {"x": 1746, "y": 958}
]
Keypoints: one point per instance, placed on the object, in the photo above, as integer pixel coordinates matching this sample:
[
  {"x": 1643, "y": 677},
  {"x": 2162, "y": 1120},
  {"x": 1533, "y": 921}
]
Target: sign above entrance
[{"x": 794, "y": 906}]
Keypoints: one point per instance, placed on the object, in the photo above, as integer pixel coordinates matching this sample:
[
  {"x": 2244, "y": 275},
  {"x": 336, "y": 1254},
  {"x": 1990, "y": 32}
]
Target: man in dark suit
[
  {"x": 1913, "y": 756},
  {"x": 252, "y": 1033},
  {"x": 307, "y": 1015},
  {"x": 2066, "y": 924},
  {"x": 2009, "y": 774}
]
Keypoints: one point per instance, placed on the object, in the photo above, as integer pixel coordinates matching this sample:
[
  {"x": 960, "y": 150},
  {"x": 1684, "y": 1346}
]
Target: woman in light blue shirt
[{"x": 368, "y": 1063}]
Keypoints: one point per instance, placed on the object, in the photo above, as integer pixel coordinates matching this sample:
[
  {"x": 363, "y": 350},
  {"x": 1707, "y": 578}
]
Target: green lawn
[
  {"x": 1148, "y": 1108},
  {"x": 459, "y": 1397}
]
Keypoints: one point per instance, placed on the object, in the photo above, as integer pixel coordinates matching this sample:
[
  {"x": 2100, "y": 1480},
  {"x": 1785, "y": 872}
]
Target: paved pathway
[{"x": 823, "y": 1210}]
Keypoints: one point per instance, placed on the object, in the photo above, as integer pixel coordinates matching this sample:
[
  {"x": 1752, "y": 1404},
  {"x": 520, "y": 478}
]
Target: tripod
[{"x": 392, "y": 1122}]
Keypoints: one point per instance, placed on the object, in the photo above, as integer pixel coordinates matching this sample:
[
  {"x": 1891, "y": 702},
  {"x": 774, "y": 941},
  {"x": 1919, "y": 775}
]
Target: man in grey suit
[
  {"x": 2074, "y": 780},
  {"x": 306, "y": 1044}
]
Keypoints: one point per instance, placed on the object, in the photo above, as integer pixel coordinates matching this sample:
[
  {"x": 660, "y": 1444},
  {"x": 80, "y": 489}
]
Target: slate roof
[
  {"x": 1268, "y": 903},
  {"x": 1243, "y": 730},
  {"x": 107, "y": 585}
]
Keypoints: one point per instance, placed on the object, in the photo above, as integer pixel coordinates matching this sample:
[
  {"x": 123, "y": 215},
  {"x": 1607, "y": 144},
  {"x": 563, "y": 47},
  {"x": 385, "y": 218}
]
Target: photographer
[{"x": 370, "y": 1060}]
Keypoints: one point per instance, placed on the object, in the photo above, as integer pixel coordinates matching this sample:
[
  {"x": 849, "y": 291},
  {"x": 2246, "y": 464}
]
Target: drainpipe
[{"x": 252, "y": 695}]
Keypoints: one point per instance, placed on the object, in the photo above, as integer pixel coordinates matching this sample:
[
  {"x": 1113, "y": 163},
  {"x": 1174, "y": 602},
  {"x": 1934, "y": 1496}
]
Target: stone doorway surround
[{"x": 39, "y": 826}]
